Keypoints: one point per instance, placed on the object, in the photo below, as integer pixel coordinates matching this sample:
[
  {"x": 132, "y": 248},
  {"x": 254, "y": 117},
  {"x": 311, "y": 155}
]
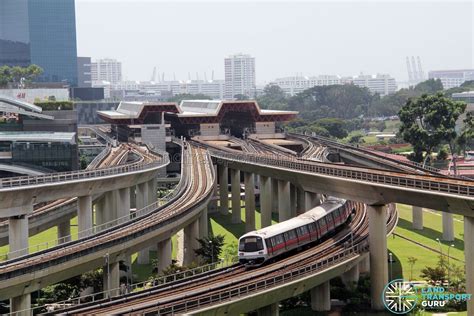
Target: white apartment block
[
  {"x": 297, "y": 84},
  {"x": 106, "y": 69},
  {"x": 382, "y": 84},
  {"x": 239, "y": 75},
  {"x": 452, "y": 78}
]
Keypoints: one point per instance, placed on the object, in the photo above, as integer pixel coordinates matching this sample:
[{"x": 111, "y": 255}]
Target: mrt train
[{"x": 262, "y": 245}]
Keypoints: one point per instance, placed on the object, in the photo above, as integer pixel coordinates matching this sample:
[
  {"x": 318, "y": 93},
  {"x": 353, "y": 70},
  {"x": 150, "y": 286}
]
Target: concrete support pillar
[
  {"x": 84, "y": 215},
  {"x": 99, "y": 213},
  {"x": 203, "y": 224},
  {"x": 123, "y": 204},
  {"x": 269, "y": 310},
  {"x": 20, "y": 303},
  {"x": 311, "y": 200},
  {"x": 112, "y": 278},
  {"x": 321, "y": 297},
  {"x": 300, "y": 201},
  {"x": 378, "y": 253},
  {"x": 292, "y": 200},
  {"x": 265, "y": 201},
  {"x": 235, "y": 188},
  {"x": 110, "y": 206},
  {"x": 364, "y": 265},
  {"x": 417, "y": 217},
  {"x": 284, "y": 206},
  {"x": 180, "y": 250},
  {"x": 213, "y": 203},
  {"x": 249, "y": 182},
  {"x": 191, "y": 234},
  {"x": 142, "y": 200},
  {"x": 152, "y": 192},
  {"x": 448, "y": 226},
  {"x": 223, "y": 190},
  {"x": 351, "y": 277},
  {"x": 274, "y": 196},
  {"x": 64, "y": 231},
  {"x": 164, "y": 254},
  {"x": 469, "y": 259},
  {"x": 18, "y": 236}
]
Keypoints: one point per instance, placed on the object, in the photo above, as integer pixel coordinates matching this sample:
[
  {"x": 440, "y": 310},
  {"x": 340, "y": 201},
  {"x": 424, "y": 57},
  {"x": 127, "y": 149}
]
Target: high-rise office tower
[
  {"x": 239, "y": 76},
  {"x": 41, "y": 32}
]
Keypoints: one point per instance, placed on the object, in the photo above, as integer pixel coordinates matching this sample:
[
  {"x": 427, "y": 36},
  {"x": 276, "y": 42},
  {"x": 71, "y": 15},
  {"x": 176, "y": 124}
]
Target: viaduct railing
[{"x": 429, "y": 183}]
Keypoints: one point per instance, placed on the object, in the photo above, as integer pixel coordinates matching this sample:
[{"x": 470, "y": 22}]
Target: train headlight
[{"x": 241, "y": 253}]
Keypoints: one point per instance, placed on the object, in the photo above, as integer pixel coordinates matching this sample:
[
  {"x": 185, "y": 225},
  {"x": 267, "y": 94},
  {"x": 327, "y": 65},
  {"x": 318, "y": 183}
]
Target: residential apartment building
[
  {"x": 382, "y": 84},
  {"x": 239, "y": 76},
  {"x": 297, "y": 84},
  {"x": 452, "y": 78},
  {"x": 106, "y": 69}
]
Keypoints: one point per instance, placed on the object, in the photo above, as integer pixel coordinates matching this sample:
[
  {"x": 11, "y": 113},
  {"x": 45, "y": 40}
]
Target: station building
[{"x": 155, "y": 123}]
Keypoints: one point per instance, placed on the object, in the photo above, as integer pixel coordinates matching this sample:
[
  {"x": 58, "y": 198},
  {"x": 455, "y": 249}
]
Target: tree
[
  {"x": 241, "y": 97},
  {"x": 411, "y": 262},
  {"x": 210, "y": 248},
  {"x": 17, "y": 74},
  {"x": 428, "y": 121},
  {"x": 273, "y": 97},
  {"x": 429, "y": 86},
  {"x": 83, "y": 162},
  {"x": 334, "y": 126},
  {"x": 187, "y": 96},
  {"x": 230, "y": 252}
]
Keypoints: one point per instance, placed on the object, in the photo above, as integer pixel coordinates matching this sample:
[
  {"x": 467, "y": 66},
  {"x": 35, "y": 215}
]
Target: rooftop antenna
[
  {"x": 410, "y": 74},
  {"x": 212, "y": 76},
  {"x": 162, "y": 77}
]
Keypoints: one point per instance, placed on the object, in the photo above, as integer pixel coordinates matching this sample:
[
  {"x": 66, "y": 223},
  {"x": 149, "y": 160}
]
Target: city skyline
[{"x": 384, "y": 35}]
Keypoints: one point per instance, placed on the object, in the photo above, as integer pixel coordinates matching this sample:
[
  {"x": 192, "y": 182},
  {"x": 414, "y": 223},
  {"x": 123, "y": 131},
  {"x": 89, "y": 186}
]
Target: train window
[
  {"x": 337, "y": 213},
  {"x": 291, "y": 234},
  {"x": 303, "y": 230},
  {"x": 251, "y": 244},
  {"x": 280, "y": 239}
]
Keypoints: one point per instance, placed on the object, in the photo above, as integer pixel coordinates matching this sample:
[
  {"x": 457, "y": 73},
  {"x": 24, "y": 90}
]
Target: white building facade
[
  {"x": 297, "y": 84},
  {"x": 106, "y": 69},
  {"x": 452, "y": 78},
  {"x": 239, "y": 76},
  {"x": 382, "y": 84}
]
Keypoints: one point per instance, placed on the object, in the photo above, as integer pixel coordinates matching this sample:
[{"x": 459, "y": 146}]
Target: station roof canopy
[
  {"x": 192, "y": 111},
  {"x": 40, "y": 137},
  {"x": 13, "y": 105}
]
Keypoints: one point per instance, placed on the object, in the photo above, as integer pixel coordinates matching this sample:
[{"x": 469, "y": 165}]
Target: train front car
[{"x": 252, "y": 249}]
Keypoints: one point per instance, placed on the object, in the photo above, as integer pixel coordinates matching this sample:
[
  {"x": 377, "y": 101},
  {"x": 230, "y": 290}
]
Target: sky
[{"x": 286, "y": 38}]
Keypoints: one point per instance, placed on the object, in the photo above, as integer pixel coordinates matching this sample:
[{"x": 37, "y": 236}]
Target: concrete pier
[
  {"x": 417, "y": 218},
  {"x": 269, "y": 310},
  {"x": 164, "y": 254},
  {"x": 378, "y": 253},
  {"x": 190, "y": 243},
  {"x": 364, "y": 265},
  {"x": 300, "y": 201},
  {"x": 112, "y": 281},
  {"x": 20, "y": 303},
  {"x": 98, "y": 212},
  {"x": 321, "y": 297},
  {"x": 275, "y": 196},
  {"x": 84, "y": 214},
  {"x": 265, "y": 201},
  {"x": 64, "y": 231},
  {"x": 123, "y": 203},
  {"x": 110, "y": 206},
  {"x": 18, "y": 236},
  {"x": 292, "y": 200},
  {"x": 351, "y": 277},
  {"x": 311, "y": 200},
  {"x": 213, "y": 203},
  {"x": 235, "y": 188},
  {"x": 284, "y": 206},
  {"x": 223, "y": 190},
  {"x": 204, "y": 224},
  {"x": 249, "y": 182},
  {"x": 448, "y": 226},
  {"x": 142, "y": 200}
]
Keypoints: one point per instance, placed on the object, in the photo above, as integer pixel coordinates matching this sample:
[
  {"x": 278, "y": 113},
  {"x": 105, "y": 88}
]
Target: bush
[{"x": 55, "y": 105}]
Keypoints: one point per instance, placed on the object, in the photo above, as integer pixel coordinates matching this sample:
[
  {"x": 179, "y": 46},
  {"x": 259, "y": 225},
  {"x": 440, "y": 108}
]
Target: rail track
[
  {"x": 194, "y": 192},
  {"x": 197, "y": 292}
]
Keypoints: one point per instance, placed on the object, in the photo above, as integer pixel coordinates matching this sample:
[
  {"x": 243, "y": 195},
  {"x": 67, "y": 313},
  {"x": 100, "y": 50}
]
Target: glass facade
[{"x": 41, "y": 32}]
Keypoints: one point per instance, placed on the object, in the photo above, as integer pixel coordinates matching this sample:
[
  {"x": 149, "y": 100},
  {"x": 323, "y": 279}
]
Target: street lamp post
[
  {"x": 440, "y": 248},
  {"x": 212, "y": 251},
  {"x": 106, "y": 257}
]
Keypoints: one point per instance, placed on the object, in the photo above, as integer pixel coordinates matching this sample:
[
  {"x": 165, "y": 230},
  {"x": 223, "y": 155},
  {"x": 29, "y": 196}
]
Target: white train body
[{"x": 261, "y": 245}]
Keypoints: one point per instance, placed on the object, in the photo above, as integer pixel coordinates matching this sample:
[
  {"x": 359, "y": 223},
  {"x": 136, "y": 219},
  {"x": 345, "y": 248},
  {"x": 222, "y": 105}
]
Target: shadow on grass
[
  {"x": 430, "y": 233},
  {"x": 226, "y": 221}
]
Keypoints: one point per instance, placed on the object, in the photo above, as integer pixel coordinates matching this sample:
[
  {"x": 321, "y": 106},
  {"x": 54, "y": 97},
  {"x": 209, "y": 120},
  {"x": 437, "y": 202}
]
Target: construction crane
[{"x": 153, "y": 76}]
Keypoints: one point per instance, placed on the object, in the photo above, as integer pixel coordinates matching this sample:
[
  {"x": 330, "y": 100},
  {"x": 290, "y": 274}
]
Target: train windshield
[{"x": 251, "y": 244}]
